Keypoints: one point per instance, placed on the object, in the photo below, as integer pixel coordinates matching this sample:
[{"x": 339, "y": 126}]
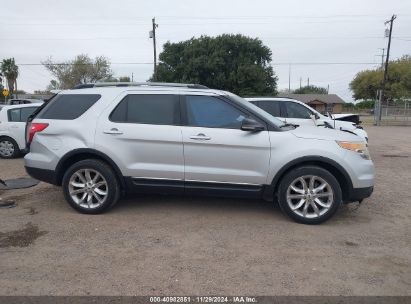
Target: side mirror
[
  {"x": 249, "y": 124},
  {"x": 314, "y": 118}
]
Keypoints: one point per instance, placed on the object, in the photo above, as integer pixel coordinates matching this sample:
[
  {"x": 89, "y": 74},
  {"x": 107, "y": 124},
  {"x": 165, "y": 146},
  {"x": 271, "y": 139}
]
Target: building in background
[{"x": 323, "y": 103}]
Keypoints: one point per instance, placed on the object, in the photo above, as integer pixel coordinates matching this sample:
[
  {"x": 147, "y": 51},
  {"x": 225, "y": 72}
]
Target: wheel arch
[
  {"x": 86, "y": 153},
  {"x": 9, "y": 137},
  {"x": 330, "y": 165}
]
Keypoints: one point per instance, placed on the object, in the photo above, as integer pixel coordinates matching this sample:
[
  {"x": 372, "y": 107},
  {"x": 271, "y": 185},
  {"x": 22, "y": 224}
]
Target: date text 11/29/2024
[{"x": 205, "y": 299}]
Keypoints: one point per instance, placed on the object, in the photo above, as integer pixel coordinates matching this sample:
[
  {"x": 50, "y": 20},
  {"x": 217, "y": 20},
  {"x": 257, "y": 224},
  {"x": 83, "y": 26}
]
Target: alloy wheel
[
  {"x": 310, "y": 196},
  {"x": 88, "y": 188}
]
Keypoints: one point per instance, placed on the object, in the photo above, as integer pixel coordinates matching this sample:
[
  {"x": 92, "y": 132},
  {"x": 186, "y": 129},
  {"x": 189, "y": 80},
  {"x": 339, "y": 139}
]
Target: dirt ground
[{"x": 152, "y": 245}]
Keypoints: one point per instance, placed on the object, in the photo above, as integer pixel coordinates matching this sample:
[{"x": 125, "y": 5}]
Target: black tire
[
  {"x": 112, "y": 185},
  {"x": 294, "y": 174},
  {"x": 16, "y": 148}
]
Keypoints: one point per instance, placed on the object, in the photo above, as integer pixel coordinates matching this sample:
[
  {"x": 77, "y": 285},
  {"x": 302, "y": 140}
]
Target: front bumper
[{"x": 358, "y": 194}]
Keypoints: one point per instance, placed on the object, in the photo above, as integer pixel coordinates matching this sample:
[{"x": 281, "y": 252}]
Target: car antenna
[{"x": 333, "y": 118}]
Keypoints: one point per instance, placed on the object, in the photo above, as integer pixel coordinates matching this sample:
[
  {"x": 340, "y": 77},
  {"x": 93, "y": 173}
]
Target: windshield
[{"x": 254, "y": 108}]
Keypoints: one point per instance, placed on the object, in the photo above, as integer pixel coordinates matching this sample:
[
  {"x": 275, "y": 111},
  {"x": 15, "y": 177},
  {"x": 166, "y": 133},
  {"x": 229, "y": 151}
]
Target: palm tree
[{"x": 10, "y": 71}]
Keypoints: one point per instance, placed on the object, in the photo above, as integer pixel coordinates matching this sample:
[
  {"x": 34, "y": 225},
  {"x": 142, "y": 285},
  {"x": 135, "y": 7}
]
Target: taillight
[{"x": 36, "y": 127}]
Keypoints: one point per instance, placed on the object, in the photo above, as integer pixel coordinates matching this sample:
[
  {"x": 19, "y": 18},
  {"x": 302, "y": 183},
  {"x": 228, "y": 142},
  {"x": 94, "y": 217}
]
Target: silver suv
[{"x": 101, "y": 141}]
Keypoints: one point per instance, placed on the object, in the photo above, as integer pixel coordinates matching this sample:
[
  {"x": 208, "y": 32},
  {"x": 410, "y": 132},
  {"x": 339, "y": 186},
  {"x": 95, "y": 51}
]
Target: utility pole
[
  {"x": 384, "y": 80},
  {"x": 153, "y": 35},
  {"x": 132, "y": 77},
  {"x": 289, "y": 77},
  {"x": 308, "y": 81},
  {"x": 382, "y": 57},
  {"x": 300, "y": 81}
]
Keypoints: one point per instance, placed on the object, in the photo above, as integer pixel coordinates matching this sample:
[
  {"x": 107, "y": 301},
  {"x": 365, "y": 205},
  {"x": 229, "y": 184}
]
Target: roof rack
[{"x": 139, "y": 84}]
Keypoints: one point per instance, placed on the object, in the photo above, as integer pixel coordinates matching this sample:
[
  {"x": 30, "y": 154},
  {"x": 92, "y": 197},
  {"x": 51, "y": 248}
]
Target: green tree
[
  {"x": 53, "y": 85},
  {"x": 229, "y": 62},
  {"x": 10, "y": 71},
  {"x": 311, "y": 89},
  {"x": 366, "y": 83},
  {"x": 1, "y": 95},
  {"x": 81, "y": 70},
  {"x": 124, "y": 79}
]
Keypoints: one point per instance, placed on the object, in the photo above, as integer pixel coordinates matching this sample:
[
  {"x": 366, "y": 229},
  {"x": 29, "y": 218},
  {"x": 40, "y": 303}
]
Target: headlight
[{"x": 360, "y": 148}]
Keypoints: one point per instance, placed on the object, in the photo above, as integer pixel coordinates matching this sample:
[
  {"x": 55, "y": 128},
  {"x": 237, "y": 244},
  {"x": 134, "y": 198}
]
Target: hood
[{"x": 322, "y": 133}]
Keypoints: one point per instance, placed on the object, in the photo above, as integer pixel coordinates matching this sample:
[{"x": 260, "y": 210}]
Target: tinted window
[
  {"x": 295, "y": 110},
  {"x": 272, "y": 107},
  {"x": 211, "y": 112},
  {"x": 26, "y": 112},
  {"x": 14, "y": 115},
  {"x": 70, "y": 106},
  {"x": 148, "y": 109},
  {"x": 21, "y": 114}
]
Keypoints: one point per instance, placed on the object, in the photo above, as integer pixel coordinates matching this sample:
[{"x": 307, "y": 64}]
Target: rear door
[
  {"x": 141, "y": 131},
  {"x": 17, "y": 123},
  {"x": 216, "y": 150}
]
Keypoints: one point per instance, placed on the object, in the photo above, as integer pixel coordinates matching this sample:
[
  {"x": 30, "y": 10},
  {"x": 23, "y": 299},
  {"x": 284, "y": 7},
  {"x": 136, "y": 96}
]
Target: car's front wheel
[
  {"x": 309, "y": 195},
  {"x": 90, "y": 186}
]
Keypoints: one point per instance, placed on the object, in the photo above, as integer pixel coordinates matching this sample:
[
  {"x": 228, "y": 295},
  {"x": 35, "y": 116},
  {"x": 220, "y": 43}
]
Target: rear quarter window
[{"x": 68, "y": 106}]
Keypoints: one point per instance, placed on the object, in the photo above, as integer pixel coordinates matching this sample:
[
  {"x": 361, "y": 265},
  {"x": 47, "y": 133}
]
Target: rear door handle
[
  {"x": 113, "y": 131},
  {"x": 200, "y": 136}
]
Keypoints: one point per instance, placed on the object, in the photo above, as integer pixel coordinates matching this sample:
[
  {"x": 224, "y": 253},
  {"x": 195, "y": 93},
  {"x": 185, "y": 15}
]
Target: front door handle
[
  {"x": 113, "y": 131},
  {"x": 200, "y": 136}
]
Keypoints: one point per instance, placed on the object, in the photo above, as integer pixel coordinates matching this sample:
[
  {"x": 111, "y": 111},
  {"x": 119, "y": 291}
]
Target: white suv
[
  {"x": 296, "y": 112},
  {"x": 101, "y": 141},
  {"x": 12, "y": 128}
]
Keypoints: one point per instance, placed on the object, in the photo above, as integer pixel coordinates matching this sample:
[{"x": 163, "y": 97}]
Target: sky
[{"x": 305, "y": 36}]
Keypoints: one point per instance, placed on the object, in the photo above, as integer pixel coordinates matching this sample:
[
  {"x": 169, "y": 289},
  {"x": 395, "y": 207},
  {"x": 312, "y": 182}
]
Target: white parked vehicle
[
  {"x": 19, "y": 101},
  {"x": 101, "y": 141},
  {"x": 12, "y": 128},
  {"x": 298, "y": 113}
]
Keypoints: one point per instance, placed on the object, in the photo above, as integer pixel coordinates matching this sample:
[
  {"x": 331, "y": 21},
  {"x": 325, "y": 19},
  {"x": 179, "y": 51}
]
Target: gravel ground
[{"x": 151, "y": 245}]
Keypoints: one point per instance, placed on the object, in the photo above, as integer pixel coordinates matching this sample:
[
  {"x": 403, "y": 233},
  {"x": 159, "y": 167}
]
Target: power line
[
  {"x": 405, "y": 38},
  {"x": 246, "y": 17},
  {"x": 274, "y": 63}
]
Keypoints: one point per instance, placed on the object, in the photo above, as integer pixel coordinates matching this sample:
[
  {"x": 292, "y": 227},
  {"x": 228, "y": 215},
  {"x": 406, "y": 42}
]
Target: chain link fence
[{"x": 393, "y": 115}]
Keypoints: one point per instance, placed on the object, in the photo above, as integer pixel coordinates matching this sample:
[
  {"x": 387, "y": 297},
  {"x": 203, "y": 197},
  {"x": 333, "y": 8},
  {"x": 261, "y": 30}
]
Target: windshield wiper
[{"x": 289, "y": 125}]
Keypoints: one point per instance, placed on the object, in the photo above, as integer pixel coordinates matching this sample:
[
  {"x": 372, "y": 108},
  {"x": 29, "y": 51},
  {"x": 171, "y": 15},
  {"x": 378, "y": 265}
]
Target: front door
[{"x": 216, "y": 150}]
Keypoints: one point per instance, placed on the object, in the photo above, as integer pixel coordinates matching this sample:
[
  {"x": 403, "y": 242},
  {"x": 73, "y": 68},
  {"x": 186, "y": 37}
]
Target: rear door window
[
  {"x": 20, "y": 114},
  {"x": 271, "y": 106},
  {"x": 26, "y": 112},
  {"x": 14, "y": 115},
  {"x": 68, "y": 106},
  {"x": 152, "y": 109}
]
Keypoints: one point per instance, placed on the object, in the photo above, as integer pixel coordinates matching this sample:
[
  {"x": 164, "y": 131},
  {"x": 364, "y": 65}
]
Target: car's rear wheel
[
  {"x": 90, "y": 186},
  {"x": 309, "y": 195},
  {"x": 8, "y": 148}
]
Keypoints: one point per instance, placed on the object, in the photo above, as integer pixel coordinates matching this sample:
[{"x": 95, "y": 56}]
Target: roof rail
[{"x": 139, "y": 84}]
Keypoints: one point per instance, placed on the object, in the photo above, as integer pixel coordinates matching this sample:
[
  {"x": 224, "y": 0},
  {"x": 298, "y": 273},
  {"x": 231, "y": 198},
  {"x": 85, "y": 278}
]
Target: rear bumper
[
  {"x": 358, "y": 194},
  {"x": 48, "y": 176}
]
